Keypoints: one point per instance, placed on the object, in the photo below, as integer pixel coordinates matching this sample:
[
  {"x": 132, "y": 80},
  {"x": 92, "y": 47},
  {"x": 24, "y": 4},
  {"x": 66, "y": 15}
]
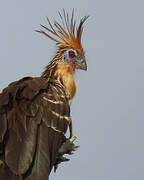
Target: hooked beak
[{"x": 81, "y": 64}]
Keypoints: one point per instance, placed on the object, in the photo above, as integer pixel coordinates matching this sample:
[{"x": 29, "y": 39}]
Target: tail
[
  {"x": 6, "y": 173},
  {"x": 48, "y": 143}
]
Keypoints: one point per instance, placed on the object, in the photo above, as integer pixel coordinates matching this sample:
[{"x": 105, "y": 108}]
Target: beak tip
[
  {"x": 84, "y": 66},
  {"x": 81, "y": 65}
]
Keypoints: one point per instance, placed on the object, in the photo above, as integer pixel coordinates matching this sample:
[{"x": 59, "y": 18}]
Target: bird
[{"x": 35, "y": 111}]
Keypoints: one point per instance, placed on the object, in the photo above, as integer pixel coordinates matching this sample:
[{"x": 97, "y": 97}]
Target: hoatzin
[{"x": 35, "y": 111}]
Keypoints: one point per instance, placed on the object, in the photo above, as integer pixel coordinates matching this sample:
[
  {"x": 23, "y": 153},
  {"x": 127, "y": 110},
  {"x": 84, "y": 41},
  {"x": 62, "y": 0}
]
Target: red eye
[{"x": 71, "y": 54}]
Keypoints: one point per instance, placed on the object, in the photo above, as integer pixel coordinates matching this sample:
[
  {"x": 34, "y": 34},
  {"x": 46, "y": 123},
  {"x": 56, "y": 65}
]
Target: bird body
[
  {"x": 33, "y": 127},
  {"x": 35, "y": 111}
]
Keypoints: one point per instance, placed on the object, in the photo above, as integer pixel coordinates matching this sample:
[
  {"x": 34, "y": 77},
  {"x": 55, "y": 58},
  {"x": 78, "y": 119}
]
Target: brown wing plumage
[{"x": 34, "y": 115}]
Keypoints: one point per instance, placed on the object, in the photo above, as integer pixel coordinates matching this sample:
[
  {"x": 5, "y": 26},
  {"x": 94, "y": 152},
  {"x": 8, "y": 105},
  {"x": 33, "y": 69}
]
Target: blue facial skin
[{"x": 65, "y": 55}]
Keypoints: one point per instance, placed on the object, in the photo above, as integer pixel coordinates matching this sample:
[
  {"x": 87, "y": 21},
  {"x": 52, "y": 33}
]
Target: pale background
[{"x": 108, "y": 111}]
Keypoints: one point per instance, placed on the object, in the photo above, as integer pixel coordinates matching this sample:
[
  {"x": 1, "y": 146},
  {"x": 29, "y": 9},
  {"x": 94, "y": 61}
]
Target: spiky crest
[{"x": 66, "y": 35}]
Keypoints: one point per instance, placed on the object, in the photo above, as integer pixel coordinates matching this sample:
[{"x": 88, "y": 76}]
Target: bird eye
[{"x": 71, "y": 54}]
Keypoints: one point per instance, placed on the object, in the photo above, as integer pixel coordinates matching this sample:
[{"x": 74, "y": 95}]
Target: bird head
[
  {"x": 68, "y": 40},
  {"x": 75, "y": 58}
]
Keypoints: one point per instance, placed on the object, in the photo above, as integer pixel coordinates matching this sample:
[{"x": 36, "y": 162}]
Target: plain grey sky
[{"x": 108, "y": 110}]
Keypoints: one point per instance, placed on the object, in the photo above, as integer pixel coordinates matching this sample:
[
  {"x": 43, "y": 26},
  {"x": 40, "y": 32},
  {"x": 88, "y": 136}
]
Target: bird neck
[
  {"x": 65, "y": 73},
  {"x": 51, "y": 67}
]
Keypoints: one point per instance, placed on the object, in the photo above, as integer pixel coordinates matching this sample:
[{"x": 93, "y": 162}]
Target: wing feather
[
  {"x": 19, "y": 152},
  {"x": 34, "y": 115},
  {"x": 3, "y": 126}
]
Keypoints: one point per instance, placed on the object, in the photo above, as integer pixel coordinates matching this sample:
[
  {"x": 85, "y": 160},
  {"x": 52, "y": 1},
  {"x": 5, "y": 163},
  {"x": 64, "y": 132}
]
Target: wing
[{"x": 34, "y": 116}]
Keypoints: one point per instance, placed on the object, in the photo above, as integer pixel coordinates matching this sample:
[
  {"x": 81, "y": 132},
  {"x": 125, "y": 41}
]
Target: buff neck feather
[{"x": 66, "y": 74}]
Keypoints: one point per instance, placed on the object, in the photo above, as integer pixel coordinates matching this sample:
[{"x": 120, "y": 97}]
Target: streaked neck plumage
[
  {"x": 66, "y": 74},
  {"x": 63, "y": 72}
]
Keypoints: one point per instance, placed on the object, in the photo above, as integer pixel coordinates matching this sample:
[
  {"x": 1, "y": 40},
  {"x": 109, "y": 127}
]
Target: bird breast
[{"x": 66, "y": 74}]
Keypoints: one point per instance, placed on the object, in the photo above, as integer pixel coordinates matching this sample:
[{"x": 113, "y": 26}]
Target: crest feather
[{"x": 66, "y": 34}]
